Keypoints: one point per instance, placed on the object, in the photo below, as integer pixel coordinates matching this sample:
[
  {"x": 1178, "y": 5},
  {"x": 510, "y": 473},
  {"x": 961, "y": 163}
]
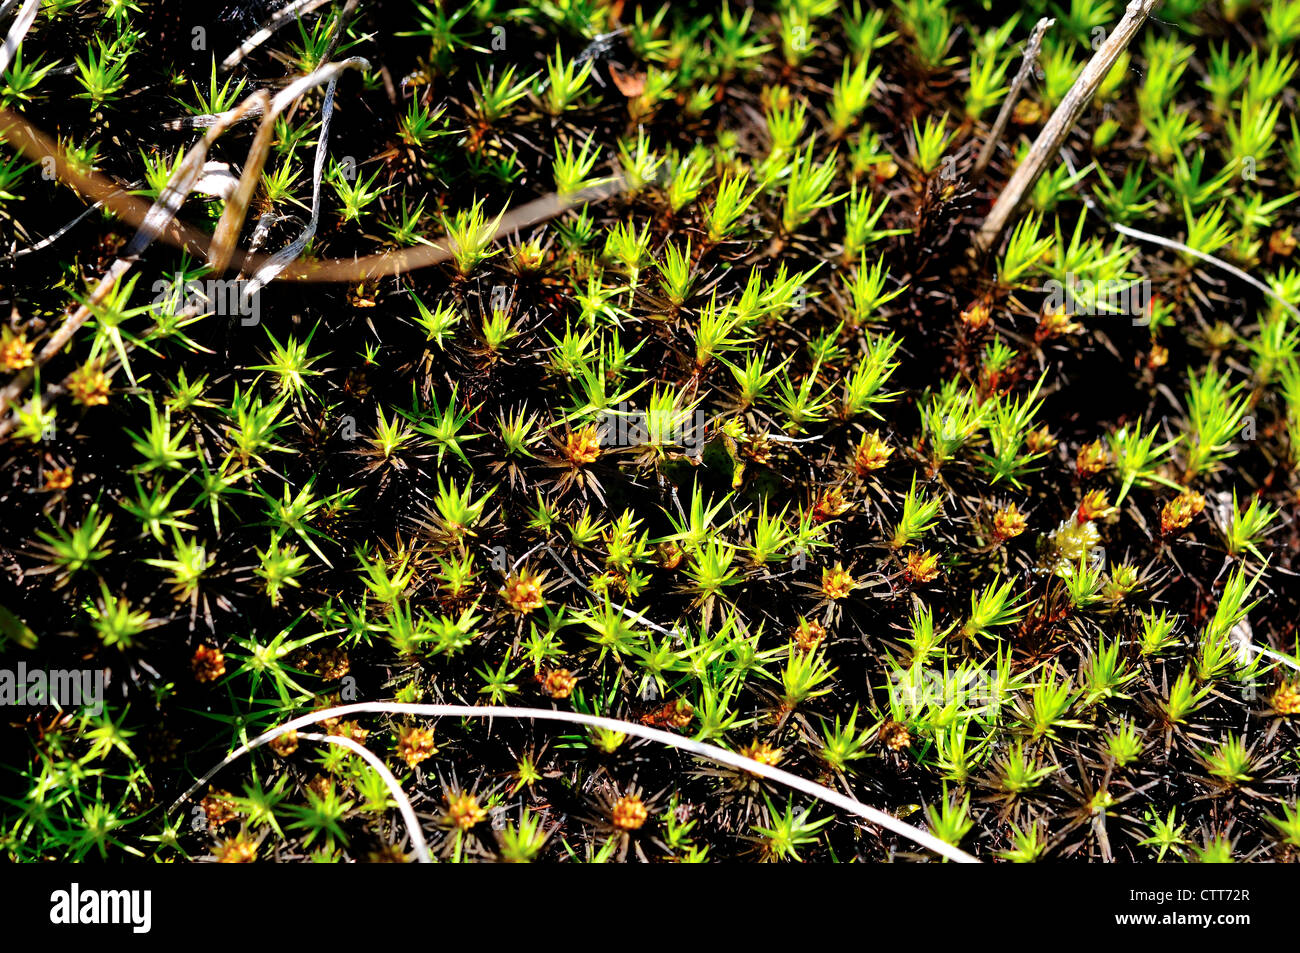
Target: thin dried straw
[
  {"x": 698, "y": 748},
  {"x": 282, "y": 17},
  {"x": 394, "y": 788},
  {"x": 22, "y": 23}
]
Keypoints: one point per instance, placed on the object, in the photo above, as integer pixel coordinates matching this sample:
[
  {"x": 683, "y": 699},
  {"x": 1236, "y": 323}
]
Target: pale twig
[
  {"x": 394, "y": 788},
  {"x": 22, "y": 23},
  {"x": 35, "y": 145},
  {"x": 1062, "y": 120},
  {"x": 634, "y": 616},
  {"x": 201, "y": 121},
  {"x": 236, "y": 210},
  {"x": 1180, "y": 247},
  {"x": 782, "y": 438},
  {"x": 1210, "y": 259},
  {"x": 164, "y": 211},
  {"x": 524, "y": 558},
  {"x": 340, "y": 27},
  {"x": 158, "y": 218},
  {"x": 159, "y": 221},
  {"x": 697, "y": 748},
  {"x": 399, "y": 261},
  {"x": 290, "y": 253},
  {"x": 54, "y": 236},
  {"x": 282, "y": 17},
  {"x": 1008, "y": 105}
]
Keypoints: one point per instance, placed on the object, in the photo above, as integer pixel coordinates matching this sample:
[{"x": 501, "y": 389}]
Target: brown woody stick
[
  {"x": 1008, "y": 105},
  {"x": 154, "y": 221},
  {"x": 35, "y": 145},
  {"x": 1062, "y": 121},
  {"x": 158, "y": 221}
]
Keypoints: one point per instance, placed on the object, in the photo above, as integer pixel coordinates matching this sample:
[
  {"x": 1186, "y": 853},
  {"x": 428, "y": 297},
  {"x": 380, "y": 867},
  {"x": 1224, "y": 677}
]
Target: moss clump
[{"x": 754, "y": 449}]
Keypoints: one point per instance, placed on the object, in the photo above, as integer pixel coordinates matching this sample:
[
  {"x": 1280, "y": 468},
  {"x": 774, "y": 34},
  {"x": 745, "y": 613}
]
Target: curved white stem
[
  {"x": 22, "y": 23},
  {"x": 699, "y": 748},
  {"x": 1209, "y": 259},
  {"x": 394, "y": 787}
]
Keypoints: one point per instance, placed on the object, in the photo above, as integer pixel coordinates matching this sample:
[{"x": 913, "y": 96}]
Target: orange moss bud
[
  {"x": 58, "y": 479},
  {"x": 763, "y": 753},
  {"x": 1008, "y": 522},
  {"x": 1092, "y": 458},
  {"x": 829, "y": 504},
  {"x": 872, "y": 453},
  {"x": 837, "y": 582},
  {"x": 921, "y": 566},
  {"x": 1180, "y": 511},
  {"x": 209, "y": 663},
  {"x": 629, "y": 814},
  {"x": 524, "y": 591},
  {"x": 1286, "y": 699},
  {"x": 464, "y": 811},
  {"x": 808, "y": 635},
  {"x": 415, "y": 745},
  {"x": 1095, "y": 505},
  {"x": 15, "y": 350},
  {"x": 582, "y": 447},
  {"x": 895, "y": 736},
  {"x": 88, "y": 385},
  {"x": 558, "y": 683},
  {"x": 236, "y": 850}
]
